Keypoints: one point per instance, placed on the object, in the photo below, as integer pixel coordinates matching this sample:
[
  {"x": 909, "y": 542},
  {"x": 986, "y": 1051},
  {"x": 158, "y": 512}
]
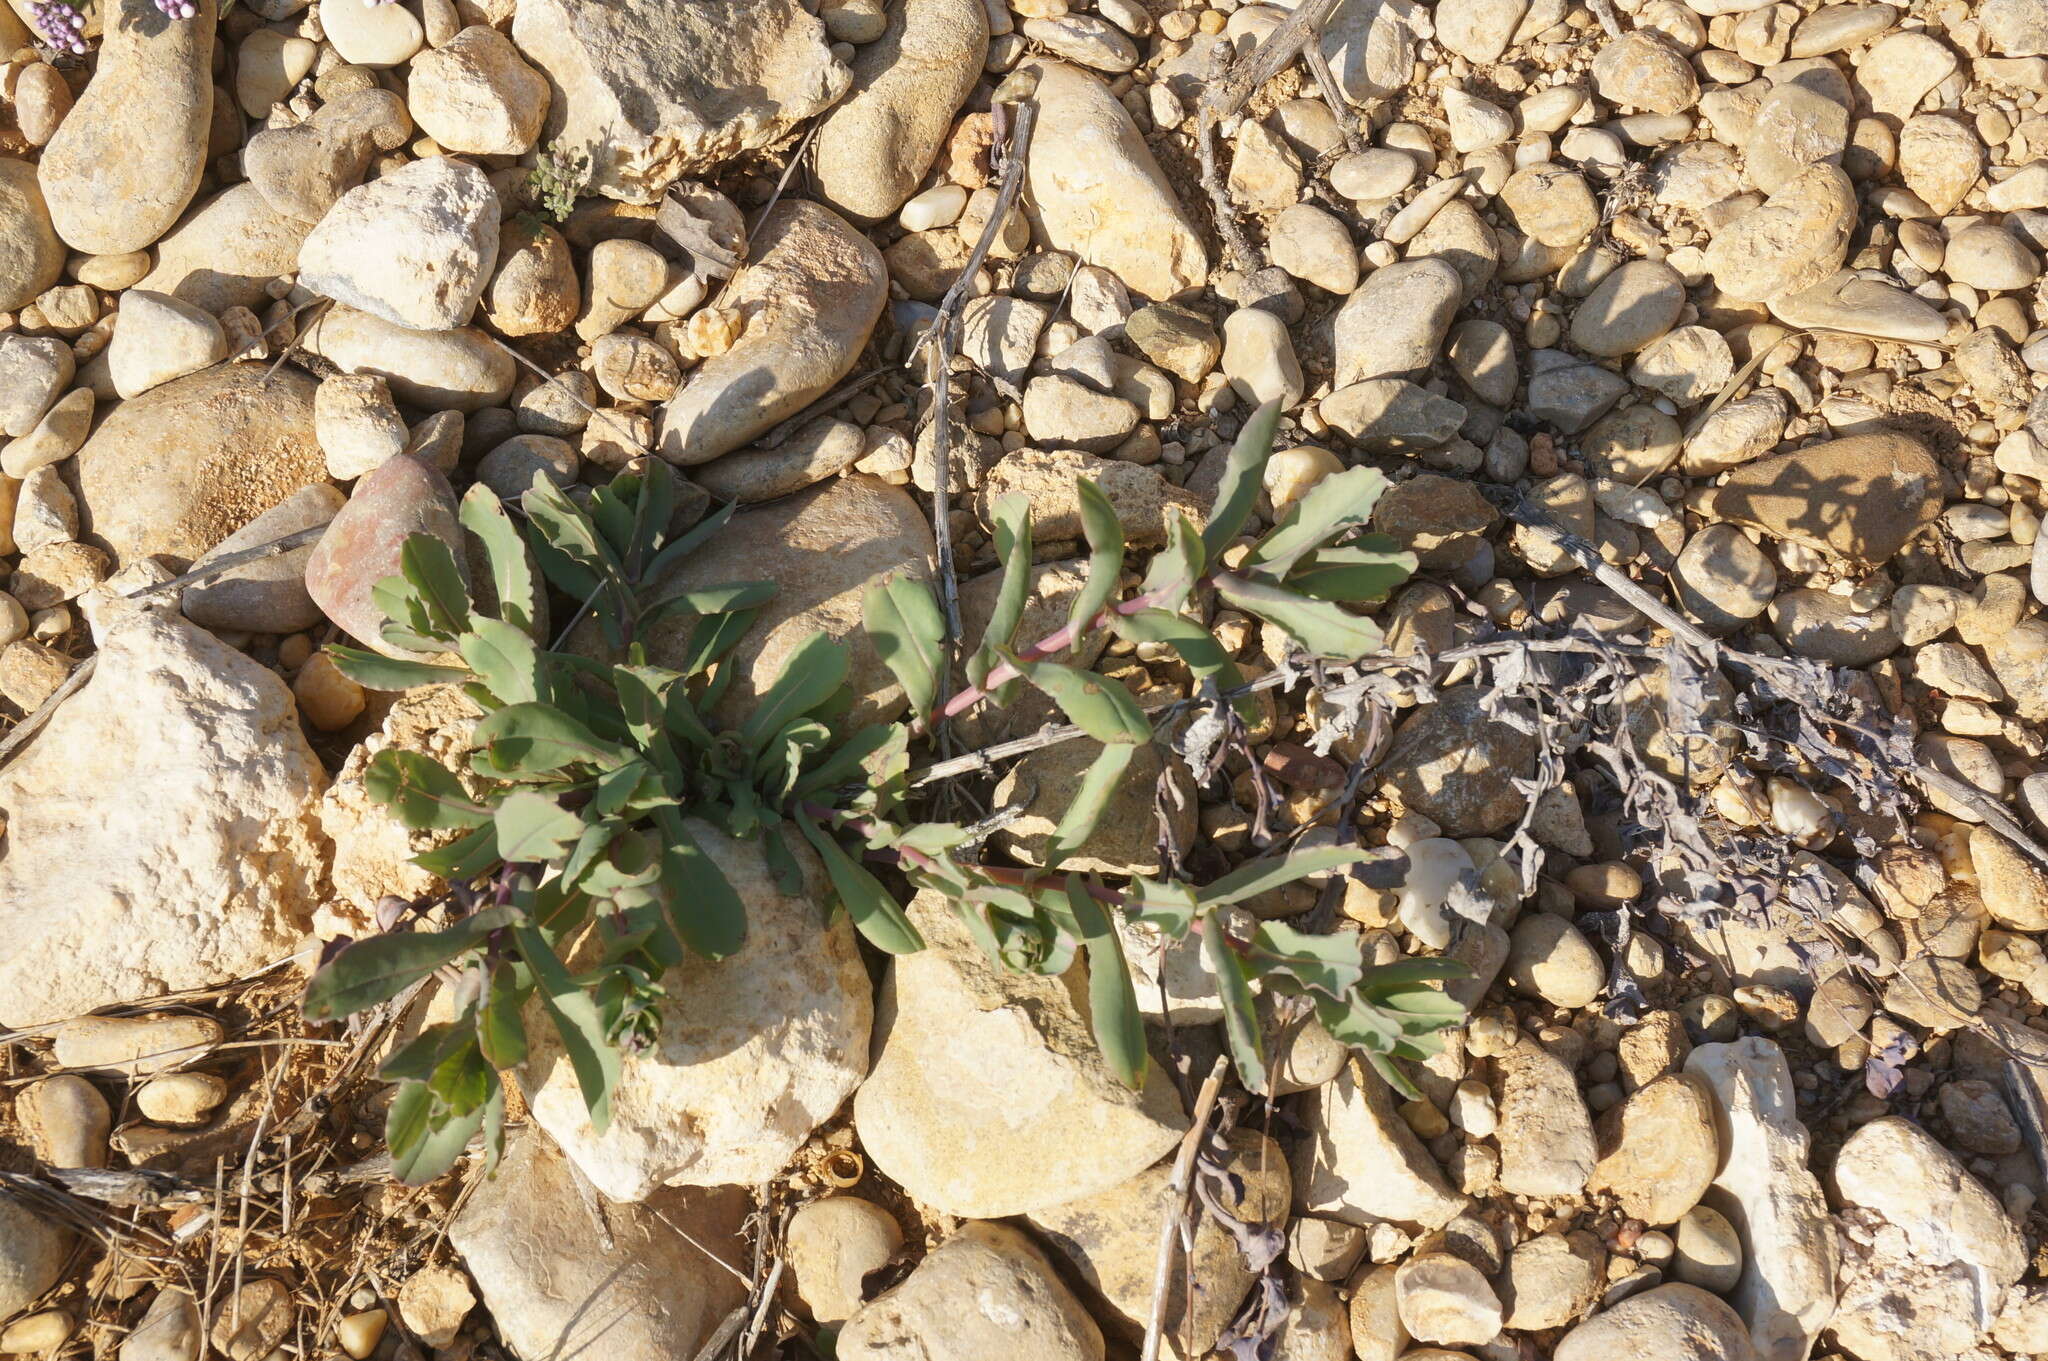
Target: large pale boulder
[
  {"x": 756, "y": 1050},
  {"x": 414, "y": 247},
  {"x": 128, "y": 157},
  {"x": 1657, "y": 1150},
  {"x": 989, "y": 1095},
  {"x": 1862, "y": 497},
  {"x": 651, "y": 90},
  {"x": 1099, "y": 193},
  {"x": 1361, "y": 1163},
  {"x": 1545, "y": 1132},
  {"x": 1932, "y": 1254},
  {"x": 181, "y": 467},
  {"x": 822, "y": 548},
  {"x": 1786, "y": 1292},
  {"x": 161, "y": 830},
  {"x": 400, "y": 497},
  {"x": 875, "y": 146},
  {"x": 373, "y": 849},
  {"x": 32, "y": 1253},
  {"x": 986, "y": 1292},
  {"x": 1669, "y": 1323},
  {"x": 565, "y": 1275},
  {"x": 808, "y": 297}
]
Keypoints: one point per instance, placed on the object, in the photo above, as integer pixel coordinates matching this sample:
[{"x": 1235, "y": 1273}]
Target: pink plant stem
[{"x": 1056, "y": 641}]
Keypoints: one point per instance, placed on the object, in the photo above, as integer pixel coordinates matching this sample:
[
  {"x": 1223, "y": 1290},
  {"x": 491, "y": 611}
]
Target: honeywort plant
[{"x": 573, "y": 881}]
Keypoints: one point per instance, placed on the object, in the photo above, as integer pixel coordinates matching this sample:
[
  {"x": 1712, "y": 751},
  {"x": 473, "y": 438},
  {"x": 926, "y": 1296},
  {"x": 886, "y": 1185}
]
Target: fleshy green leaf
[
  {"x": 568, "y": 546},
  {"x": 1339, "y": 502},
  {"x": 1113, "y": 1002},
  {"x": 464, "y": 858},
  {"x": 419, "y": 1151},
  {"x": 1099, "y": 784},
  {"x": 429, "y": 565},
  {"x": 1099, "y": 704},
  {"x": 1360, "y": 571},
  {"x": 1105, "y": 557},
  {"x": 504, "y": 659},
  {"x": 513, "y": 579},
  {"x": 500, "y": 1031},
  {"x": 688, "y": 542},
  {"x": 1195, "y": 645},
  {"x": 375, "y": 671},
  {"x": 1177, "y": 567},
  {"x": 1238, "y": 490},
  {"x": 1013, "y": 552},
  {"x": 1404, "y": 972},
  {"x": 1260, "y": 876},
  {"x": 423, "y": 793},
  {"x": 534, "y": 829},
  {"x": 905, "y": 625},
  {"x": 378, "y": 968},
  {"x": 702, "y": 906},
  {"x": 813, "y": 672},
  {"x": 539, "y": 738},
  {"x": 644, "y": 694},
  {"x": 711, "y": 638},
  {"x": 423, "y": 1053},
  {"x": 1332, "y": 964},
  {"x": 592, "y": 1055},
  {"x": 876, "y": 914},
  {"x": 845, "y": 762},
  {"x": 1323, "y": 629},
  {"x": 408, "y": 623},
  {"x": 708, "y": 600},
  {"x": 1240, "y": 1016},
  {"x": 1165, "y": 907}
]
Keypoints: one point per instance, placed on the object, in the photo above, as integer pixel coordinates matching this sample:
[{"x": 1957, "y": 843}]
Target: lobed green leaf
[
  {"x": 908, "y": 631},
  {"x": 513, "y": 577}
]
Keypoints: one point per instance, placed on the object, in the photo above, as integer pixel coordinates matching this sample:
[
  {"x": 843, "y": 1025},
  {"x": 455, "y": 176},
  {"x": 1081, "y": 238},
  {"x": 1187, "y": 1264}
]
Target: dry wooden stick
[
  {"x": 1231, "y": 84},
  {"x": 1333, "y": 95},
  {"x": 940, "y": 340},
  {"x": 1177, "y": 1200},
  {"x": 1269, "y": 59},
  {"x": 1236, "y": 245}
]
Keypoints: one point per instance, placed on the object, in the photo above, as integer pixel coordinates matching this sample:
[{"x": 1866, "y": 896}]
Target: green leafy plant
[
  {"x": 558, "y": 178},
  {"x": 573, "y": 880}
]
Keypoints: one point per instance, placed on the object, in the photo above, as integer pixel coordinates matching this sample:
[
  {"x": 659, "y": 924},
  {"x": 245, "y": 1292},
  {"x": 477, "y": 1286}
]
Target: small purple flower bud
[
  {"x": 60, "y": 25},
  {"x": 178, "y": 9}
]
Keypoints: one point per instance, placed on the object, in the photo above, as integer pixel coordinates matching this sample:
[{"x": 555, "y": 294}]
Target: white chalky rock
[
  {"x": 1787, "y": 1288},
  {"x": 415, "y": 247}
]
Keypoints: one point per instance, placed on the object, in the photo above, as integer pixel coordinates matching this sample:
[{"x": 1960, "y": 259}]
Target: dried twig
[
  {"x": 941, "y": 339},
  {"x": 1176, "y": 1203},
  {"x": 1231, "y": 83},
  {"x": 1236, "y": 245},
  {"x": 1333, "y": 95},
  {"x": 19, "y": 735}
]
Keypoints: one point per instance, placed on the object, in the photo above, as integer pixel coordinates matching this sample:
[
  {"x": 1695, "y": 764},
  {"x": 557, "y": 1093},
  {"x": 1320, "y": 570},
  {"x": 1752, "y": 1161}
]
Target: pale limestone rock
[
  {"x": 989, "y": 1095},
  {"x": 1100, "y": 194},
  {"x": 652, "y": 91},
  {"x": 1787, "y": 1288},
  {"x": 161, "y": 829},
  {"x": 559, "y": 1282},
  {"x": 756, "y": 1050}
]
